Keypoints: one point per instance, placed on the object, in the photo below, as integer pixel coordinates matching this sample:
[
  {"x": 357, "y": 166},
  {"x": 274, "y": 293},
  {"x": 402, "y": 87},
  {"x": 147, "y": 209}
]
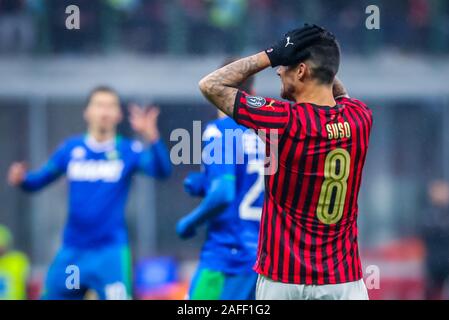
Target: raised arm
[
  {"x": 154, "y": 160},
  {"x": 339, "y": 89},
  {"x": 219, "y": 87}
]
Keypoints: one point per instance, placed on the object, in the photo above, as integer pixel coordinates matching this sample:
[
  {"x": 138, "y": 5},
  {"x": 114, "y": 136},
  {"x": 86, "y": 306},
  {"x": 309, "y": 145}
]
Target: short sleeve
[{"x": 261, "y": 113}]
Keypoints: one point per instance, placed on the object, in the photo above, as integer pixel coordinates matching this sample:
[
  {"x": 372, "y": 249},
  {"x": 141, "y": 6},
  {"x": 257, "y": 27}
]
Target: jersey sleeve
[
  {"x": 358, "y": 104},
  {"x": 153, "y": 161},
  {"x": 352, "y": 101},
  {"x": 261, "y": 113},
  {"x": 54, "y": 168},
  {"x": 218, "y": 158}
]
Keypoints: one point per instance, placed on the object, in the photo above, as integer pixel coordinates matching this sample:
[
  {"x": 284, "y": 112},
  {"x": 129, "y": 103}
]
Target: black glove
[{"x": 289, "y": 50}]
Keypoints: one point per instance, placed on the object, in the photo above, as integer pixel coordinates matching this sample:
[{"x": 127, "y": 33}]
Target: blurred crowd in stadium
[{"x": 226, "y": 26}]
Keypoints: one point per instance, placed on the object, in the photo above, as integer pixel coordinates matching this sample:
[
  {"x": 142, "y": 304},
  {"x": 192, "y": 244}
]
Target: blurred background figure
[
  {"x": 16, "y": 27},
  {"x": 436, "y": 238},
  {"x": 14, "y": 269},
  {"x": 158, "y": 278},
  {"x": 216, "y": 26},
  {"x": 230, "y": 184},
  {"x": 99, "y": 166}
]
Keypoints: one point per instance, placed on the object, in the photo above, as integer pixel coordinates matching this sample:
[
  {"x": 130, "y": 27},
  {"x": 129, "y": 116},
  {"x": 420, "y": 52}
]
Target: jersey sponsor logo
[
  {"x": 271, "y": 105},
  {"x": 256, "y": 102},
  {"x": 95, "y": 170}
]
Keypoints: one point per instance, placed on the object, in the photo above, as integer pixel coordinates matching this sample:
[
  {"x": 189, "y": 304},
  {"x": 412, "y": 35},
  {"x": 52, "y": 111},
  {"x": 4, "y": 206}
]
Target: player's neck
[
  {"x": 321, "y": 95},
  {"x": 221, "y": 114},
  {"x": 101, "y": 136}
]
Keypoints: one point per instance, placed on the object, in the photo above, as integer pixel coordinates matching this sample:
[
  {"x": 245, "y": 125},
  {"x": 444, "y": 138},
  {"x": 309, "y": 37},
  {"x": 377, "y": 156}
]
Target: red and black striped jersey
[{"x": 308, "y": 231}]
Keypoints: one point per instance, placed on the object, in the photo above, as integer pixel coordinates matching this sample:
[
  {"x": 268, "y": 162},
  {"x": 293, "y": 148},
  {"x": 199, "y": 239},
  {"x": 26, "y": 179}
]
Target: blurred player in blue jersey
[
  {"x": 99, "y": 166},
  {"x": 232, "y": 184}
]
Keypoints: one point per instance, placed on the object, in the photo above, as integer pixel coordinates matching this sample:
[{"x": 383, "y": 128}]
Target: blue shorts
[
  {"x": 106, "y": 271},
  {"x": 208, "y": 284}
]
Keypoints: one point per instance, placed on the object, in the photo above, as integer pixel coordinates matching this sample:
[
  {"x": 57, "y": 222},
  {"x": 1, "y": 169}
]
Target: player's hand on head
[
  {"x": 144, "y": 121},
  {"x": 16, "y": 174},
  {"x": 185, "y": 229},
  {"x": 290, "y": 49}
]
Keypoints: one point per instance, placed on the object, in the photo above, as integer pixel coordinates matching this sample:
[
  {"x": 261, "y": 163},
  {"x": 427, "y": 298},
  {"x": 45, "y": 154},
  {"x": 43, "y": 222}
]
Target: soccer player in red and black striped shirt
[{"x": 308, "y": 239}]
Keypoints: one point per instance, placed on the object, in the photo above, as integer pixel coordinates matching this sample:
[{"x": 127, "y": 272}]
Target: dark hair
[
  {"x": 324, "y": 54},
  {"x": 246, "y": 86},
  {"x": 100, "y": 89}
]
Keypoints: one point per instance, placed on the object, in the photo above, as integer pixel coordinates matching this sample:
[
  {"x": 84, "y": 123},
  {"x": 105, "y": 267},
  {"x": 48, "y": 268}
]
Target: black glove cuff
[{"x": 274, "y": 58}]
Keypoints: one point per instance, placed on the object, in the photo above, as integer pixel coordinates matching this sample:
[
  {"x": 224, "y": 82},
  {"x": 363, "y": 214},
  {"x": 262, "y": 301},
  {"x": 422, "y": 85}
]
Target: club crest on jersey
[
  {"x": 78, "y": 153},
  {"x": 256, "y": 102},
  {"x": 137, "y": 146}
]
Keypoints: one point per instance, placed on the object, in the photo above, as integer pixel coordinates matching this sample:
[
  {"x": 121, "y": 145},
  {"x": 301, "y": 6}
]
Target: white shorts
[{"x": 268, "y": 289}]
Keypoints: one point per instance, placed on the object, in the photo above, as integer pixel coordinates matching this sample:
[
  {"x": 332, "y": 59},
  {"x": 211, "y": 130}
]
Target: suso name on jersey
[{"x": 336, "y": 131}]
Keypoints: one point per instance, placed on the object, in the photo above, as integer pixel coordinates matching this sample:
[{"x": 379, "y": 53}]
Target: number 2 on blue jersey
[{"x": 246, "y": 209}]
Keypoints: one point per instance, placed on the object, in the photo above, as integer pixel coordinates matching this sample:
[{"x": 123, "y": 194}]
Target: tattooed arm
[
  {"x": 339, "y": 89},
  {"x": 219, "y": 87}
]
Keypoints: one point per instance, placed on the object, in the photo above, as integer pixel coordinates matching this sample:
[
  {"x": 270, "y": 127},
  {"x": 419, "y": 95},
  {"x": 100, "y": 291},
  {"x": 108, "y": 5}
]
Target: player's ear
[
  {"x": 86, "y": 113},
  {"x": 120, "y": 115},
  {"x": 301, "y": 71}
]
